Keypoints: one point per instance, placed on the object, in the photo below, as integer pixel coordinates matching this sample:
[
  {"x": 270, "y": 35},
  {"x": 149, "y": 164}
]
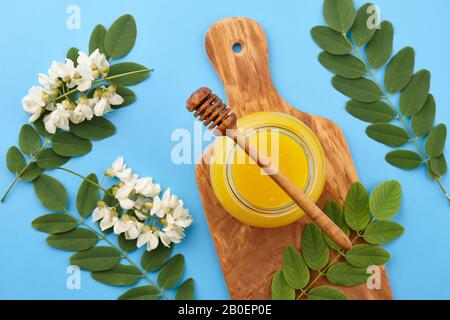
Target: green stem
[
  {"x": 86, "y": 179},
  {"x": 412, "y": 137},
  {"x": 104, "y": 79},
  {"x": 123, "y": 253},
  {"x": 19, "y": 175}
]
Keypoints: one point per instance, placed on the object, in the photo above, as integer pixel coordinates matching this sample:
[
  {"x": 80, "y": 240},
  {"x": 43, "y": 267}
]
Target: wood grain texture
[{"x": 250, "y": 256}]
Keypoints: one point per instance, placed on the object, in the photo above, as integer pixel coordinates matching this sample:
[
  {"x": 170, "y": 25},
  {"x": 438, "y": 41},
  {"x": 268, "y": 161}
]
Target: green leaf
[
  {"x": 51, "y": 193},
  {"x": 29, "y": 141},
  {"x": 31, "y": 173},
  {"x": 121, "y": 36},
  {"x": 49, "y": 159},
  {"x": 404, "y": 159},
  {"x": 361, "y": 33},
  {"x": 128, "y": 96},
  {"x": 343, "y": 274},
  {"x": 362, "y": 90},
  {"x": 331, "y": 41},
  {"x": 54, "y": 223},
  {"x": 435, "y": 144},
  {"x": 186, "y": 290},
  {"x": 400, "y": 70},
  {"x": 96, "y": 129},
  {"x": 280, "y": 288},
  {"x": 326, "y": 293},
  {"x": 346, "y": 66},
  {"x": 385, "y": 200},
  {"x": 96, "y": 259},
  {"x": 141, "y": 293},
  {"x": 128, "y": 73},
  {"x": 15, "y": 161},
  {"x": 171, "y": 273},
  {"x": 379, "y": 49},
  {"x": 422, "y": 122},
  {"x": 75, "y": 240},
  {"x": 314, "y": 249},
  {"x": 414, "y": 96},
  {"x": 388, "y": 134},
  {"x": 366, "y": 255},
  {"x": 439, "y": 166},
  {"x": 67, "y": 144},
  {"x": 339, "y": 14},
  {"x": 72, "y": 54},
  {"x": 381, "y": 232},
  {"x": 295, "y": 271},
  {"x": 87, "y": 196},
  {"x": 120, "y": 275},
  {"x": 334, "y": 211},
  {"x": 97, "y": 40},
  {"x": 357, "y": 212},
  {"x": 153, "y": 260},
  {"x": 377, "y": 112},
  {"x": 127, "y": 245}
]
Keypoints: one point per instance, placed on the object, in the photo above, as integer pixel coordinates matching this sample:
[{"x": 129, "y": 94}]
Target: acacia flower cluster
[
  {"x": 141, "y": 213},
  {"x": 53, "y": 97}
]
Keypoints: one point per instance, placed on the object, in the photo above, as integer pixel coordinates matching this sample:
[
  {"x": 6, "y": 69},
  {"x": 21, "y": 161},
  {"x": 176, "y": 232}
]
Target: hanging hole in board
[{"x": 237, "y": 47}]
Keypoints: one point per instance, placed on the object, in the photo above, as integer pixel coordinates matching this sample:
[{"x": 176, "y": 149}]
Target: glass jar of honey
[{"x": 248, "y": 193}]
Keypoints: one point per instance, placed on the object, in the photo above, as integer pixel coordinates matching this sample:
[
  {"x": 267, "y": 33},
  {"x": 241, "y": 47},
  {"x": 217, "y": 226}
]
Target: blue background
[{"x": 170, "y": 39}]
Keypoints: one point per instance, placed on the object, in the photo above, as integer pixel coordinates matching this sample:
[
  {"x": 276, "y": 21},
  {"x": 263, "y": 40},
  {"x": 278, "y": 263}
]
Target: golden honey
[{"x": 249, "y": 194}]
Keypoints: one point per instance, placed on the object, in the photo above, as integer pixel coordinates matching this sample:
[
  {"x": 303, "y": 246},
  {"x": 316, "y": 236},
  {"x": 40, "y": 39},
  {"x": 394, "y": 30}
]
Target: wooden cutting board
[{"x": 250, "y": 256}]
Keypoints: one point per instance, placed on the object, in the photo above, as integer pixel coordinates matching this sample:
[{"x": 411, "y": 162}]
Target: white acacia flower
[
  {"x": 147, "y": 188},
  {"x": 50, "y": 85},
  {"x": 64, "y": 71},
  {"x": 173, "y": 233},
  {"x": 165, "y": 240},
  {"x": 140, "y": 210},
  {"x": 83, "y": 77},
  {"x": 123, "y": 195},
  {"x": 180, "y": 217},
  {"x": 58, "y": 118},
  {"x": 107, "y": 215},
  {"x": 34, "y": 102},
  {"x": 83, "y": 111},
  {"x": 129, "y": 227},
  {"x": 149, "y": 238},
  {"x": 162, "y": 206},
  {"x": 99, "y": 62}
]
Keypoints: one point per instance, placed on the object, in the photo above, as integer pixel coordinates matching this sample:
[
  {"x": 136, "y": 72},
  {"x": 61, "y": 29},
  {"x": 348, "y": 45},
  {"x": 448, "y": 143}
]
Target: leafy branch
[
  {"x": 59, "y": 148},
  {"x": 347, "y": 37},
  {"x": 71, "y": 233},
  {"x": 368, "y": 219}
]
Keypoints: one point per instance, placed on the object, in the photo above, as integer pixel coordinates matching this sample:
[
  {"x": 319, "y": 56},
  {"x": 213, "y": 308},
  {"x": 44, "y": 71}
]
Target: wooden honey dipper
[{"x": 217, "y": 117}]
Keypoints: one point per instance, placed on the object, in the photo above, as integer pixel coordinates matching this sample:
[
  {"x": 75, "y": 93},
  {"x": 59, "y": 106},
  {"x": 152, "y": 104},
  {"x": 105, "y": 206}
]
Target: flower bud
[
  {"x": 106, "y": 95},
  {"x": 98, "y": 93},
  {"x": 101, "y": 204},
  {"x": 112, "y": 88},
  {"x": 95, "y": 74},
  {"x": 114, "y": 190},
  {"x": 83, "y": 100},
  {"x": 148, "y": 205},
  {"x": 110, "y": 173},
  {"x": 154, "y": 228},
  {"x": 105, "y": 70}
]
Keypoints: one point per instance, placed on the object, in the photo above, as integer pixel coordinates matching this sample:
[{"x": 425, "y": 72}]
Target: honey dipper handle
[{"x": 295, "y": 193}]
